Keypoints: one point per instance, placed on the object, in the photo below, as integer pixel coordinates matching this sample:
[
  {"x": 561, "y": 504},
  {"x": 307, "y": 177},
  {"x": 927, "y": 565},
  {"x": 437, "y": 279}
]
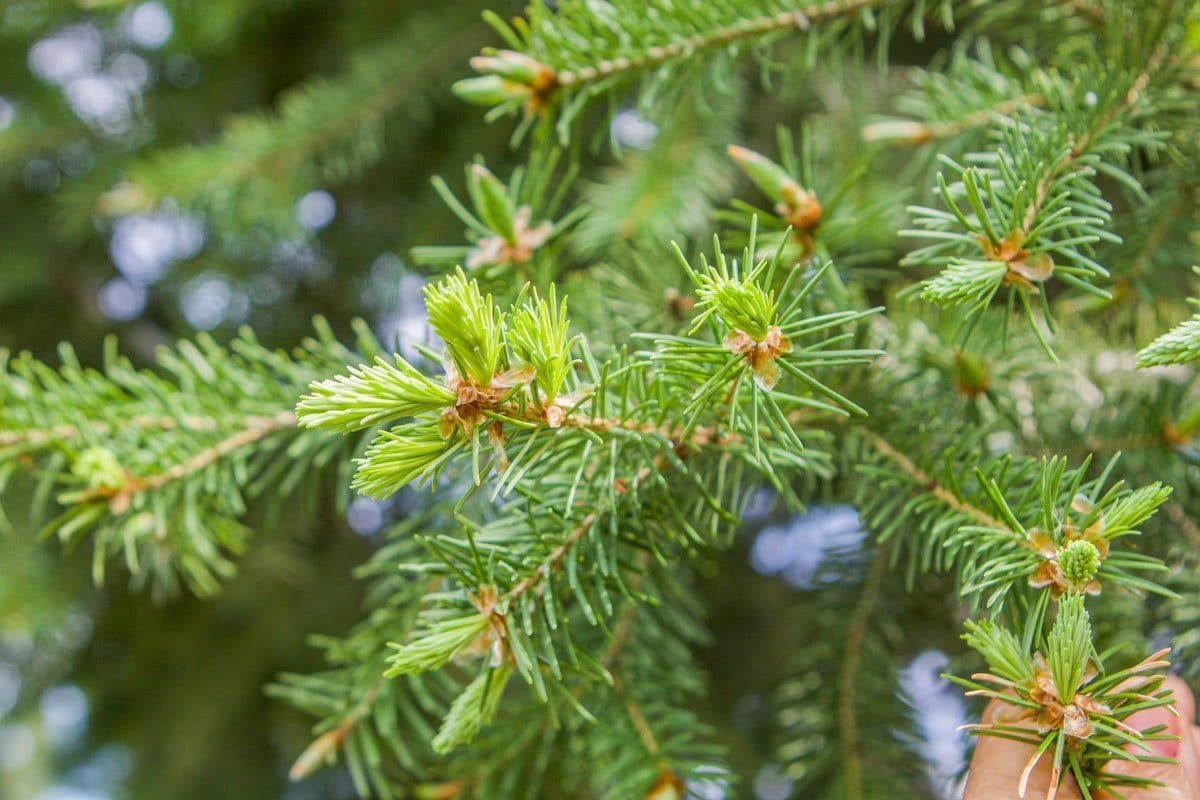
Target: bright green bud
[
  {"x": 772, "y": 179},
  {"x": 539, "y": 335},
  {"x": 1079, "y": 561},
  {"x": 514, "y": 66},
  {"x": 743, "y": 305},
  {"x": 100, "y": 468},
  {"x": 442, "y": 641},
  {"x": 470, "y": 324},
  {"x": 493, "y": 203},
  {"x": 491, "y": 90},
  {"x": 400, "y": 456},
  {"x": 473, "y": 709}
]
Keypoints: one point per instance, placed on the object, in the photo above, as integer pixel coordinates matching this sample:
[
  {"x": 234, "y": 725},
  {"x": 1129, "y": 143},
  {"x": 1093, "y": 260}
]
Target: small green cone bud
[
  {"x": 514, "y": 66},
  {"x": 491, "y": 90},
  {"x": 902, "y": 130},
  {"x": 1079, "y": 561},
  {"x": 743, "y": 306},
  {"x": 768, "y": 176},
  {"x": 1187, "y": 424},
  {"x": 667, "y": 787},
  {"x": 492, "y": 202},
  {"x": 100, "y": 468},
  {"x": 970, "y": 374}
]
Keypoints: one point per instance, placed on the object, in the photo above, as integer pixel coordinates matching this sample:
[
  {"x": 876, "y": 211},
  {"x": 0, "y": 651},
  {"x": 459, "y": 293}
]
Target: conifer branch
[
  {"x": 129, "y": 449},
  {"x": 256, "y": 428},
  {"x": 639, "y": 720},
  {"x": 552, "y": 560},
  {"x": 578, "y": 455},
  {"x": 504, "y": 590},
  {"x": 914, "y": 132},
  {"x": 38, "y": 438},
  {"x": 1086, "y": 141},
  {"x": 1186, "y": 524},
  {"x": 1088, "y": 10},
  {"x": 1180, "y": 345},
  {"x": 566, "y": 52},
  {"x": 1032, "y": 210},
  {"x": 848, "y": 677},
  {"x": 800, "y": 19},
  {"x": 927, "y": 482}
]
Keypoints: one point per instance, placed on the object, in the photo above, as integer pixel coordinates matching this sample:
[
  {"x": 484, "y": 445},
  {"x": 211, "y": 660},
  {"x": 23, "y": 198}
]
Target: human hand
[{"x": 997, "y": 764}]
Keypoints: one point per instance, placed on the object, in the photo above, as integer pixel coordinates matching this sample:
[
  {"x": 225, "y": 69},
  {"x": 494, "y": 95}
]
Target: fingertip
[
  {"x": 993, "y": 708},
  {"x": 998, "y": 764},
  {"x": 1189, "y": 757},
  {"x": 1184, "y": 700},
  {"x": 1174, "y": 720}
]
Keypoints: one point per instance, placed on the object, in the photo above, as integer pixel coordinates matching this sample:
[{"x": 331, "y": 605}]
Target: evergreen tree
[{"x": 726, "y": 263}]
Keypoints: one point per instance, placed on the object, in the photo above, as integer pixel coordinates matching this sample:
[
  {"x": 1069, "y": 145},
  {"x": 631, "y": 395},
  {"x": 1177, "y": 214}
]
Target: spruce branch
[
  {"x": 1064, "y": 543},
  {"x": 370, "y": 395},
  {"x": 1006, "y": 524},
  {"x": 667, "y": 190},
  {"x": 563, "y": 56},
  {"x": 532, "y": 620},
  {"x": 752, "y": 349},
  {"x": 848, "y": 678},
  {"x": 513, "y": 406},
  {"x": 465, "y": 718},
  {"x": 1065, "y": 549},
  {"x": 1180, "y": 345},
  {"x": 651, "y": 477},
  {"x": 1056, "y": 679},
  {"x": 968, "y": 94},
  {"x": 120, "y": 491},
  {"x": 927, "y": 483},
  {"x": 1031, "y": 210},
  {"x": 508, "y": 225},
  {"x": 157, "y": 466},
  {"x": 1076, "y": 711}
]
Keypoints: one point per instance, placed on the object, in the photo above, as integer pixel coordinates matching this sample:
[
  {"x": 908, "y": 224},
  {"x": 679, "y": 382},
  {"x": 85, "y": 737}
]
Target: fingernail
[{"x": 1152, "y": 718}]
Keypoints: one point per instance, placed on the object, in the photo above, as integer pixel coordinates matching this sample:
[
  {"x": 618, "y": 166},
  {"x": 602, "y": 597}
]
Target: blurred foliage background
[{"x": 122, "y": 127}]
